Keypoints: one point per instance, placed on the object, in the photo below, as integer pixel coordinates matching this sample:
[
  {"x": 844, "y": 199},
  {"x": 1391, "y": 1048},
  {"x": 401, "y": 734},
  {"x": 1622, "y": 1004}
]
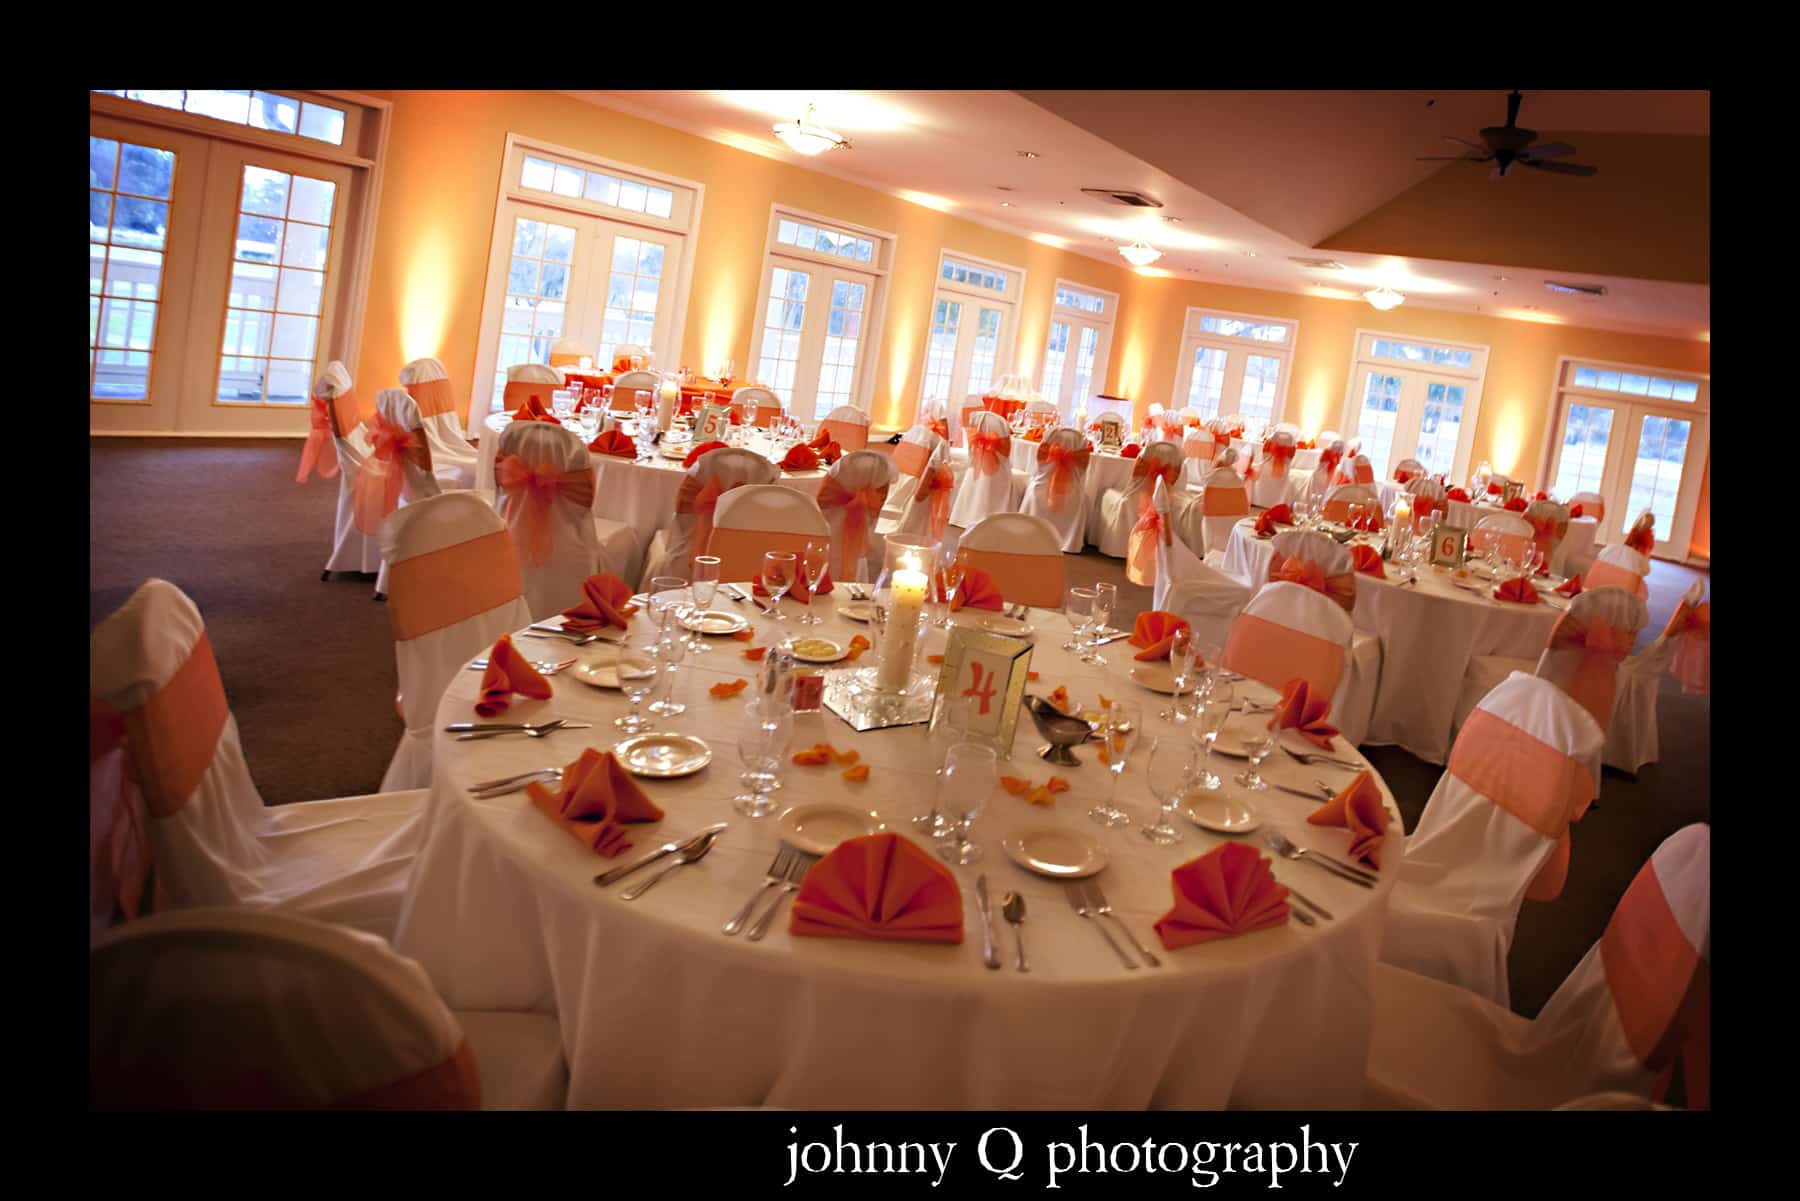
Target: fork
[
  {"x": 509, "y": 784},
  {"x": 1281, "y": 846},
  {"x": 1104, "y": 908},
  {"x": 541, "y": 666},
  {"x": 797, "y": 867},
  {"x": 776, "y": 876},
  {"x": 577, "y": 639},
  {"x": 537, "y": 731},
  {"x": 1073, "y": 893},
  {"x": 1311, "y": 757}
]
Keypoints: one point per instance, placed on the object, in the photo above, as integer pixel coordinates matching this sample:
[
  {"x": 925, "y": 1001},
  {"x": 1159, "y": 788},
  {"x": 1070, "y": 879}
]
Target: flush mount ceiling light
[
  {"x": 1140, "y": 253},
  {"x": 804, "y": 137},
  {"x": 1384, "y": 298}
]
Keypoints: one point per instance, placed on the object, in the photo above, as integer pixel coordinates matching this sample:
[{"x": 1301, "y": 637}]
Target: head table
[{"x": 658, "y": 1008}]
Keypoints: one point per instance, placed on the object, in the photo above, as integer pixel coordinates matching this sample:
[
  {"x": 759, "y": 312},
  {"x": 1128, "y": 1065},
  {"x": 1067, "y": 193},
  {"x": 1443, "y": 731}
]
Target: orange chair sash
[
  {"x": 453, "y": 583},
  {"x": 1149, "y": 469},
  {"x": 1274, "y": 653},
  {"x": 1140, "y": 550},
  {"x": 740, "y": 551},
  {"x": 1328, "y": 460},
  {"x": 533, "y": 488},
  {"x": 1064, "y": 464},
  {"x": 1224, "y": 502},
  {"x": 1199, "y": 448},
  {"x": 1602, "y": 648},
  {"x": 1692, "y": 664},
  {"x": 1511, "y": 545},
  {"x": 937, "y": 492},
  {"x": 318, "y": 440},
  {"x": 1340, "y": 588},
  {"x": 1547, "y": 885},
  {"x": 1660, "y": 985},
  {"x": 910, "y": 458},
  {"x": 857, "y": 506},
  {"x": 700, "y": 500},
  {"x": 986, "y": 451},
  {"x": 519, "y": 391},
  {"x": 172, "y": 736},
  {"x": 346, "y": 416},
  {"x": 850, "y": 435},
  {"x": 1547, "y": 532},
  {"x": 1034, "y": 580},
  {"x": 434, "y": 397},
  {"x": 1277, "y": 455},
  {"x": 1525, "y": 776},
  {"x": 1611, "y": 575}
]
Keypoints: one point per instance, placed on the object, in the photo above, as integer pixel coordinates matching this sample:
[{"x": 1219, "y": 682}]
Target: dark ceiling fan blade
[
  {"x": 1466, "y": 142},
  {"x": 1497, "y": 173},
  {"x": 1454, "y": 158},
  {"x": 1563, "y": 168},
  {"x": 1512, "y": 107},
  {"x": 1547, "y": 150}
]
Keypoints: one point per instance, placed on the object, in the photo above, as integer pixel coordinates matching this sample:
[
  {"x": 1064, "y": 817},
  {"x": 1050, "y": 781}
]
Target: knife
[
  {"x": 1113, "y": 637},
  {"x": 1311, "y": 796},
  {"x": 988, "y": 955},
  {"x": 667, "y": 848}
]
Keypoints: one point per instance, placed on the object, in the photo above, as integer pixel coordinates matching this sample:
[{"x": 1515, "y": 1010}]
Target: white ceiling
[{"x": 958, "y": 150}]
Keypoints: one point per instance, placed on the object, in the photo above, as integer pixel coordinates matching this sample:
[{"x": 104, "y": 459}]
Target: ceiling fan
[{"x": 1508, "y": 144}]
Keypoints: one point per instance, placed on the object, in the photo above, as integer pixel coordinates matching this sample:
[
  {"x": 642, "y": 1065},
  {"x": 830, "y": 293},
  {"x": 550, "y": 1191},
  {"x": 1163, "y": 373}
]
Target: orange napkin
[
  {"x": 1570, "y": 586},
  {"x": 1155, "y": 631},
  {"x": 603, "y": 604},
  {"x": 1367, "y": 560},
  {"x": 700, "y": 450},
  {"x": 1304, "y": 710},
  {"x": 508, "y": 672},
  {"x": 532, "y": 410},
  {"x": 1279, "y": 514},
  {"x": 1457, "y": 494},
  {"x": 1229, "y": 890},
  {"x": 1359, "y": 808},
  {"x": 940, "y": 427},
  {"x": 596, "y": 797},
  {"x": 1516, "y": 505},
  {"x": 1575, "y": 509},
  {"x": 800, "y": 458},
  {"x": 1517, "y": 589},
  {"x": 1034, "y": 434},
  {"x": 612, "y": 442},
  {"x": 977, "y": 591},
  {"x": 1369, "y": 523},
  {"x": 879, "y": 886},
  {"x": 1493, "y": 489},
  {"x": 1541, "y": 496},
  {"x": 798, "y": 591},
  {"x": 1131, "y": 451}
]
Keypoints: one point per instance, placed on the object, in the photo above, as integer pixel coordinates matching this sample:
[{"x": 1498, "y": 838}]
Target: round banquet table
[
  {"x": 1577, "y": 546},
  {"x": 658, "y": 1008},
  {"x": 638, "y": 495},
  {"x": 1429, "y": 632}
]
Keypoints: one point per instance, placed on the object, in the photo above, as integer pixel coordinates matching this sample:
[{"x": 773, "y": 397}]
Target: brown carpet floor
[{"x": 224, "y": 520}]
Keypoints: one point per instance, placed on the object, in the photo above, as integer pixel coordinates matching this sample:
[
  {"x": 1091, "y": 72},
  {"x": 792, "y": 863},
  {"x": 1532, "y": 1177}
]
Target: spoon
[
  {"x": 691, "y": 853},
  {"x": 1012, "y": 905},
  {"x": 537, "y": 731}
]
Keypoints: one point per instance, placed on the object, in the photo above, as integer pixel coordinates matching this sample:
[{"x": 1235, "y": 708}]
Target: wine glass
[
  {"x": 1259, "y": 744},
  {"x": 952, "y": 575},
  {"x": 1181, "y": 670},
  {"x": 814, "y": 559},
  {"x": 705, "y": 590},
  {"x": 638, "y": 666},
  {"x": 589, "y": 418},
  {"x": 562, "y": 403},
  {"x": 761, "y": 750},
  {"x": 1119, "y": 726},
  {"x": 1078, "y": 604},
  {"x": 778, "y": 576},
  {"x": 1171, "y": 770},
  {"x": 1106, "y": 603},
  {"x": 970, "y": 772},
  {"x": 949, "y": 728},
  {"x": 1209, "y": 719}
]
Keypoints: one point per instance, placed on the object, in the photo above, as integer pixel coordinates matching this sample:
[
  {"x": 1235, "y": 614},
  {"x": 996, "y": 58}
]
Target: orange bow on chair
[
  {"x": 700, "y": 500},
  {"x": 935, "y": 488},
  {"x": 1328, "y": 459},
  {"x": 985, "y": 450},
  {"x": 1547, "y": 532},
  {"x": 1692, "y": 664},
  {"x": 1642, "y": 537},
  {"x": 1063, "y": 464},
  {"x": 376, "y": 492},
  {"x": 1140, "y": 551},
  {"x": 1306, "y": 573},
  {"x": 1277, "y": 453},
  {"x": 857, "y": 506},
  {"x": 533, "y": 488},
  {"x": 1602, "y": 647},
  {"x": 318, "y": 438},
  {"x": 1150, "y": 470},
  {"x": 118, "y": 818}
]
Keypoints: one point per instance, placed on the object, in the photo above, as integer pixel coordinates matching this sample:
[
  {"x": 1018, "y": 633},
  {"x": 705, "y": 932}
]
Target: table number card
[
  {"x": 715, "y": 421},
  {"x": 1449, "y": 545},
  {"x": 989, "y": 671}
]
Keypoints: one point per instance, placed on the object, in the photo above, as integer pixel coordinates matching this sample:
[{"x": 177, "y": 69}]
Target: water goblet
[
  {"x": 638, "y": 666},
  {"x": 814, "y": 559},
  {"x": 761, "y": 751},
  {"x": 1119, "y": 729},
  {"x": 1182, "y": 664},
  {"x": 1171, "y": 770},
  {"x": 705, "y": 590},
  {"x": 562, "y": 403},
  {"x": 589, "y": 418},
  {"x": 1106, "y": 603},
  {"x": 778, "y": 571},
  {"x": 1209, "y": 719},
  {"x": 970, "y": 772},
  {"x": 949, "y": 728},
  {"x": 1078, "y": 605},
  {"x": 1259, "y": 744}
]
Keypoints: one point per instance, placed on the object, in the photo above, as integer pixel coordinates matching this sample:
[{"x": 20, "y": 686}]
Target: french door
[
  {"x": 1635, "y": 456},
  {"x": 1408, "y": 414},
  {"x": 555, "y": 273},
  {"x": 1074, "y": 362},
  {"x": 963, "y": 346},
  {"x": 812, "y": 336}
]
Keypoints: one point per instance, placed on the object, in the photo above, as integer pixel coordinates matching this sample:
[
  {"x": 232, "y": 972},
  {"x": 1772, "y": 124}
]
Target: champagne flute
[
  {"x": 1181, "y": 668},
  {"x": 705, "y": 589},
  {"x": 1119, "y": 726},
  {"x": 952, "y": 575},
  {"x": 1106, "y": 603},
  {"x": 778, "y": 576},
  {"x": 761, "y": 751},
  {"x": 637, "y": 669},
  {"x": 1259, "y": 744},
  {"x": 970, "y": 772},
  {"x": 815, "y": 558},
  {"x": 1078, "y": 605},
  {"x": 1214, "y": 711},
  {"x": 1171, "y": 770}
]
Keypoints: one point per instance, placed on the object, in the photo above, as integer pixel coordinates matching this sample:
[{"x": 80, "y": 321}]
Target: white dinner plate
[
  {"x": 857, "y": 610},
  {"x": 1157, "y": 677},
  {"x": 715, "y": 622},
  {"x": 818, "y": 828},
  {"x": 678, "y": 451},
  {"x": 817, "y": 654},
  {"x": 1221, "y": 814},
  {"x": 995, "y": 623},
  {"x": 601, "y": 672},
  {"x": 1054, "y": 851},
  {"x": 662, "y": 756}
]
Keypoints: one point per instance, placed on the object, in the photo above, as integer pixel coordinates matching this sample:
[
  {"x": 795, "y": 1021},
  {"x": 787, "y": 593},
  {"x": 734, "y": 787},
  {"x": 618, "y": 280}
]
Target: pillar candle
[{"x": 905, "y": 610}]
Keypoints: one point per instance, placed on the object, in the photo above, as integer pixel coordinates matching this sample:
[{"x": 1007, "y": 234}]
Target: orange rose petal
[
  {"x": 934, "y": 658},
  {"x": 1105, "y": 701},
  {"x": 744, "y": 635},
  {"x": 1104, "y": 757},
  {"x": 810, "y": 758},
  {"x": 1040, "y": 796},
  {"x": 824, "y": 748},
  {"x": 1057, "y": 784},
  {"x": 755, "y": 653},
  {"x": 846, "y": 756},
  {"x": 723, "y": 691},
  {"x": 1014, "y": 785},
  {"x": 1030, "y": 675},
  {"x": 859, "y": 772}
]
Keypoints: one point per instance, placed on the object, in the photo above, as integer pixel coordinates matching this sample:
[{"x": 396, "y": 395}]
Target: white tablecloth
[
  {"x": 658, "y": 1008},
  {"x": 1429, "y": 632},
  {"x": 1577, "y": 546}
]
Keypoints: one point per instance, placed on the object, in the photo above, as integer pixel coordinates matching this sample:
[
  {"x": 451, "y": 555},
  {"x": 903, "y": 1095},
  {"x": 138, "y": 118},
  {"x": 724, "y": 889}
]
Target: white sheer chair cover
[
  {"x": 1058, "y": 488},
  {"x": 214, "y": 1009},
  {"x": 1120, "y": 508},
  {"x": 351, "y": 549},
  {"x": 758, "y": 518},
  {"x": 1207, "y": 598},
  {"x": 675, "y": 544},
  {"x": 988, "y": 485},
  {"x": 1341, "y": 498},
  {"x": 1639, "y": 1000},
  {"x": 452, "y": 457},
  {"x": 1270, "y": 487},
  {"x": 852, "y": 497},
  {"x": 911, "y": 455},
  {"x": 1429, "y": 497},
  {"x": 1631, "y": 739},
  {"x": 1023, "y": 554},
  {"x": 927, "y": 510},
  {"x": 848, "y": 426},
  {"x": 1525, "y": 765},
  {"x": 456, "y": 586},
  {"x": 571, "y": 547},
  {"x": 626, "y": 387},
  {"x": 1224, "y": 501},
  {"x": 179, "y": 788},
  {"x": 1619, "y": 566}
]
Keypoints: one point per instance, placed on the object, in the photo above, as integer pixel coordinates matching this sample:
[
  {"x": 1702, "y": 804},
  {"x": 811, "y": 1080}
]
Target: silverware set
[
  {"x": 1086, "y": 899},
  {"x": 470, "y": 731},
  {"x": 1311, "y": 758},
  {"x": 691, "y": 851},
  {"x": 509, "y": 784},
  {"x": 1346, "y": 871},
  {"x": 783, "y": 877},
  {"x": 737, "y": 594},
  {"x": 578, "y": 639},
  {"x": 544, "y": 667}
]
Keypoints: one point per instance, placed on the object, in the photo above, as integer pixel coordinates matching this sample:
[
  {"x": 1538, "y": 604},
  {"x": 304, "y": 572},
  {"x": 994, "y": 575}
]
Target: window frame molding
[
  {"x": 973, "y": 296},
  {"x": 1106, "y": 319},
  {"x": 1475, "y": 395},
  {"x": 1191, "y": 333}
]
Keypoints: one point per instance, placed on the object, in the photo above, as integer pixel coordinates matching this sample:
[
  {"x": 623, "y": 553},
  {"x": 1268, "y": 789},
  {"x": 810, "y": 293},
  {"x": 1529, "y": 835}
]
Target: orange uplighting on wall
[
  {"x": 1315, "y": 403},
  {"x": 425, "y": 298},
  {"x": 899, "y": 372},
  {"x": 1508, "y": 437},
  {"x": 719, "y": 337},
  {"x": 1529, "y": 315}
]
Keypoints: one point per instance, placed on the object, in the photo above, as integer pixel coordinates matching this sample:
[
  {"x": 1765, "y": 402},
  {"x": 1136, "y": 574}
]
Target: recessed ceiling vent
[
  {"x": 1575, "y": 289},
  {"x": 1119, "y": 196},
  {"x": 1317, "y": 264}
]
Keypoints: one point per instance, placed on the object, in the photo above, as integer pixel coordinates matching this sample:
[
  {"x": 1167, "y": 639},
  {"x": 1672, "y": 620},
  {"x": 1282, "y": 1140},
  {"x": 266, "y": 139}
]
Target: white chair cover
[
  {"x": 1342, "y": 496},
  {"x": 627, "y": 385},
  {"x": 210, "y": 837},
  {"x": 1412, "y": 467},
  {"x": 758, "y": 405},
  {"x": 575, "y": 551},
  {"x": 1355, "y": 468},
  {"x": 351, "y": 549},
  {"x": 452, "y": 458},
  {"x": 758, "y": 518},
  {"x": 1070, "y": 520},
  {"x": 915, "y": 518},
  {"x": 1288, "y": 630},
  {"x": 857, "y": 472},
  {"x": 911, "y": 454},
  {"x": 1524, "y": 766},
  {"x": 1022, "y": 553},
  {"x": 1040, "y": 406},
  {"x": 1310, "y": 546},
  {"x": 1120, "y": 508},
  {"x": 226, "y": 1009},
  {"x": 672, "y": 549},
  {"x": 982, "y": 493},
  {"x": 1631, "y": 739},
  {"x": 456, "y": 587},
  {"x": 567, "y": 352},
  {"x": 1639, "y": 999},
  {"x": 1618, "y": 566},
  {"x": 848, "y": 427},
  {"x": 1207, "y": 598},
  {"x": 630, "y": 350},
  {"x": 398, "y": 408},
  {"x": 1230, "y": 505},
  {"x": 1197, "y": 447},
  {"x": 1270, "y": 489}
]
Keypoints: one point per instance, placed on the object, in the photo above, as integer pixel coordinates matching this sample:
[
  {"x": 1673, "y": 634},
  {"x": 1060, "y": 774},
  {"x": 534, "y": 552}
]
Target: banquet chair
[
  {"x": 1022, "y": 553},
  {"x": 452, "y": 455},
  {"x": 848, "y": 426},
  {"x": 1197, "y": 450},
  {"x": 566, "y": 352},
  {"x": 1058, "y": 488},
  {"x": 530, "y": 381},
  {"x": 1294, "y": 554},
  {"x": 455, "y": 587},
  {"x": 1224, "y": 502},
  {"x": 1638, "y": 1002},
  {"x": 1327, "y": 438},
  {"x": 927, "y": 510},
  {"x": 1354, "y": 468},
  {"x": 336, "y": 417},
  {"x": 990, "y": 485},
  {"x": 712, "y": 475},
  {"x": 965, "y": 416},
  {"x": 1341, "y": 501},
  {"x": 1205, "y": 597},
  {"x": 1429, "y": 496},
  {"x": 628, "y": 351},
  {"x": 1592, "y": 505},
  {"x": 1120, "y": 508},
  {"x": 762, "y": 404},
  {"x": 1271, "y": 485},
  {"x": 1584, "y": 507},
  {"x": 852, "y": 496},
  {"x": 1631, "y": 736},
  {"x": 222, "y": 1009},
  {"x": 1039, "y": 407},
  {"x": 1495, "y": 829},
  {"x": 399, "y": 470},
  {"x": 546, "y": 497},
  {"x": 626, "y": 389},
  {"x": 172, "y": 796},
  {"x": 1407, "y": 470},
  {"x": 1549, "y": 524},
  {"x": 758, "y": 518},
  {"x": 1619, "y": 567},
  {"x": 1510, "y": 532},
  {"x": 1288, "y": 630},
  {"x": 911, "y": 455}
]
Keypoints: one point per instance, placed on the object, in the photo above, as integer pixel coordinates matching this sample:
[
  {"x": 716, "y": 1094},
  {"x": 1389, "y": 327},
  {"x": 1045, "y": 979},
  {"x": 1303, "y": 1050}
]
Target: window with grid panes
[
  {"x": 277, "y": 287},
  {"x": 129, "y": 188},
  {"x": 258, "y": 110}
]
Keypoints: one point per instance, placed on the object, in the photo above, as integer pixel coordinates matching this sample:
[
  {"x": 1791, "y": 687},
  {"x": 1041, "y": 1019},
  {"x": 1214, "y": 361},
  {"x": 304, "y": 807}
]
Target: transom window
[
  {"x": 544, "y": 175},
  {"x": 258, "y": 110},
  {"x": 824, "y": 239},
  {"x": 1414, "y": 400},
  {"x": 128, "y": 228},
  {"x": 1230, "y": 327},
  {"x": 1233, "y": 363},
  {"x": 1087, "y": 302},
  {"x": 277, "y": 287},
  {"x": 974, "y": 275},
  {"x": 1415, "y": 352},
  {"x": 971, "y": 326},
  {"x": 1633, "y": 384}
]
